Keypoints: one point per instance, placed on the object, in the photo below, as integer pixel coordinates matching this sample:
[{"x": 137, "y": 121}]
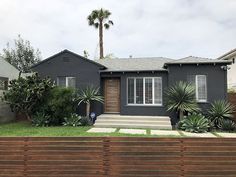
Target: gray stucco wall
[
  {"x": 126, "y": 109},
  {"x": 216, "y": 80},
  {"x": 86, "y": 73}
]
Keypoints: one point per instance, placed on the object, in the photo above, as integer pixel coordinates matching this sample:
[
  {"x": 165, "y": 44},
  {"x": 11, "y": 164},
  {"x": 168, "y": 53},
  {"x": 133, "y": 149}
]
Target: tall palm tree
[
  {"x": 180, "y": 98},
  {"x": 99, "y": 19},
  {"x": 88, "y": 95}
]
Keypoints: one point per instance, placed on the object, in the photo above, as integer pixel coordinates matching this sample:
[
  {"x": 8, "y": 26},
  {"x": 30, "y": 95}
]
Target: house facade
[
  {"x": 231, "y": 56},
  {"x": 7, "y": 73},
  {"x": 136, "y": 86}
]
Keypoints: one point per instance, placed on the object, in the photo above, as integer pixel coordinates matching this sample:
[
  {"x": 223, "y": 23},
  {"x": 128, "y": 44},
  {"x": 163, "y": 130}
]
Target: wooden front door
[{"x": 112, "y": 95}]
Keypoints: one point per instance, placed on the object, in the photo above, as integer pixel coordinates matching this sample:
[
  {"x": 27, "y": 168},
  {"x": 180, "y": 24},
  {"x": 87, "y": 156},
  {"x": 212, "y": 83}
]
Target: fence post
[
  {"x": 26, "y": 140},
  {"x": 106, "y": 156},
  {"x": 182, "y": 157}
]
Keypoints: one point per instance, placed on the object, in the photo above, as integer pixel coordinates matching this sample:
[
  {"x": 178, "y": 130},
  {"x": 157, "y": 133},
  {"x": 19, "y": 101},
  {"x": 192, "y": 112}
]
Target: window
[
  {"x": 66, "y": 82},
  {"x": 144, "y": 91},
  {"x": 200, "y": 83}
]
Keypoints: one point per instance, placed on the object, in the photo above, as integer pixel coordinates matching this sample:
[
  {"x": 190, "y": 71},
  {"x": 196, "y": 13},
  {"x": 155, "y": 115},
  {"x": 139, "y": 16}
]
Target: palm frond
[{"x": 181, "y": 97}]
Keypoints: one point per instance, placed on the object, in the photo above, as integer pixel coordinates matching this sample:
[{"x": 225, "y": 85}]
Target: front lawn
[{"x": 26, "y": 129}]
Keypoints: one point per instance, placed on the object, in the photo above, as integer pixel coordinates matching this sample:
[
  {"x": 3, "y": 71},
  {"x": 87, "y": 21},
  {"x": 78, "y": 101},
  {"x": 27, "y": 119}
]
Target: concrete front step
[
  {"x": 118, "y": 121},
  {"x": 125, "y": 117},
  {"x": 122, "y": 125},
  {"x": 127, "y": 121}
]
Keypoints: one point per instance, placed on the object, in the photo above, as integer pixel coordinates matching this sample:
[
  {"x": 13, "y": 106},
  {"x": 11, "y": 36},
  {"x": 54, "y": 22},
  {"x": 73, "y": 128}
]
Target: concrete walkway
[{"x": 162, "y": 133}]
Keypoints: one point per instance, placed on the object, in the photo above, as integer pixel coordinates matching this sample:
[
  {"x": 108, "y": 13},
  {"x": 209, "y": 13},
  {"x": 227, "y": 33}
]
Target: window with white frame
[
  {"x": 200, "y": 83},
  {"x": 144, "y": 90},
  {"x": 66, "y": 81}
]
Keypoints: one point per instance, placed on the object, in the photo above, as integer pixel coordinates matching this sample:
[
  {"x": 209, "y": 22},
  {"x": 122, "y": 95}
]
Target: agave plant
[
  {"x": 181, "y": 98},
  {"x": 219, "y": 111},
  {"x": 195, "y": 123},
  {"x": 88, "y": 95},
  {"x": 228, "y": 125}
]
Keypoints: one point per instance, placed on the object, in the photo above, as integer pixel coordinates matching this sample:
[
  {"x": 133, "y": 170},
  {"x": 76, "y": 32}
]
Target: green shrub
[
  {"x": 195, "y": 123},
  {"x": 86, "y": 121},
  {"x": 227, "y": 125},
  {"x": 219, "y": 111},
  {"x": 72, "y": 120},
  {"x": 60, "y": 104},
  {"x": 40, "y": 120},
  {"x": 26, "y": 95}
]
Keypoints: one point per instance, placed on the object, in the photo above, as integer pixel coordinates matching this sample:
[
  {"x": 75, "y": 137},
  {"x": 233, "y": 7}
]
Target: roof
[
  {"x": 228, "y": 55},
  {"x": 196, "y": 60},
  {"x": 67, "y": 51},
  {"x": 134, "y": 64},
  {"x": 8, "y": 70}
]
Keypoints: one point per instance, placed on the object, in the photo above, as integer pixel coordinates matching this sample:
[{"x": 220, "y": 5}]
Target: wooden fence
[
  {"x": 117, "y": 157},
  {"x": 232, "y": 100}
]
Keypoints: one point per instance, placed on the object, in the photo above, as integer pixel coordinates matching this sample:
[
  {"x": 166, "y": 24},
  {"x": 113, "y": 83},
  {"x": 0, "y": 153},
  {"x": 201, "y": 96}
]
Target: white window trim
[
  {"x": 153, "y": 90},
  {"x": 196, "y": 85},
  {"x": 67, "y": 78}
]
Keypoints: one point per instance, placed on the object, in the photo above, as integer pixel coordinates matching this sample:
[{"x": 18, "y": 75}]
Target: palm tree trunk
[
  {"x": 101, "y": 39},
  {"x": 87, "y": 109},
  {"x": 181, "y": 115}
]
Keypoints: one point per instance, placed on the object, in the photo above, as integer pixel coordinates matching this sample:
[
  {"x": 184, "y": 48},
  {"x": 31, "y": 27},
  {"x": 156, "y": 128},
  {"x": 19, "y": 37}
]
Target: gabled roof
[
  {"x": 72, "y": 53},
  {"x": 228, "y": 55},
  {"x": 134, "y": 64},
  {"x": 196, "y": 60},
  {"x": 8, "y": 70}
]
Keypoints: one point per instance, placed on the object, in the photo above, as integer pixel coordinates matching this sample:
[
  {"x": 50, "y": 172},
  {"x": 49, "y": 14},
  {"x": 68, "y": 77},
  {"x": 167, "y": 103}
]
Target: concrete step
[
  {"x": 123, "y": 125},
  {"x": 118, "y": 121},
  {"x": 125, "y": 117}
]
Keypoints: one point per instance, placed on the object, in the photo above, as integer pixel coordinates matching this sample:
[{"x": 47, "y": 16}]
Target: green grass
[{"x": 26, "y": 129}]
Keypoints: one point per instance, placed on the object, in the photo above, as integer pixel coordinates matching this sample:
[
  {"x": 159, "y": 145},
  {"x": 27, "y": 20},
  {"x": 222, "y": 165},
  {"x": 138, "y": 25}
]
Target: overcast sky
[{"x": 168, "y": 28}]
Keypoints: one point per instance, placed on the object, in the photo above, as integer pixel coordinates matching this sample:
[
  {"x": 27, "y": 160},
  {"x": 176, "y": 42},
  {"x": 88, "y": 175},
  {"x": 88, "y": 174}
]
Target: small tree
[
  {"x": 22, "y": 56},
  {"x": 26, "y": 94},
  {"x": 180, "y": 98},
  {"x": 88, "y": 95}
]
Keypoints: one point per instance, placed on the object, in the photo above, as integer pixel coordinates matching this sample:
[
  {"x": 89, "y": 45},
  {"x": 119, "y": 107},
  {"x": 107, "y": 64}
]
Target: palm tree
[
  {"x": 181, "y": 98},
  {"x": 99, "y": 19},
  {"x": 88, "y": 95}
]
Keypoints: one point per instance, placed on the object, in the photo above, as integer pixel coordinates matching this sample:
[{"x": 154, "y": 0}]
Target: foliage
[
  {"x": 195, "y": 123},
  {"x": 180, "y": 98},
  {"x": 60, "y": 103},
  {"x": 22, "y": 56},
  {"x": 227, "y": 125},
  {"x": 40, "y": 120},
  {"x": 72, "y": 120},
  {"x": 99, "y": 19},
  {"x": 25, "y": 95},
  {"x": 219, "y": 111},
  {"x": 85, "y": 121},
  {"x": 87, "y": 95}
]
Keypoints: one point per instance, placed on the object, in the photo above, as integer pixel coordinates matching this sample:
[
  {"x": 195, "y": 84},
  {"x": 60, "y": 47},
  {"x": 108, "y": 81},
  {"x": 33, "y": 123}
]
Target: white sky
[{"x": 168, "y": 28}]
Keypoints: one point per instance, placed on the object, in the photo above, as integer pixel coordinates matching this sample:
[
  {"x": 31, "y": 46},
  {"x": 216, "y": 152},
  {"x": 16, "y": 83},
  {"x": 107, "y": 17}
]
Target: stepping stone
[
  {"x": 101, "y": 130},
  {"x": 133, "y": 131},
  {"x": 227, "y": 135},
  {"x": 165, "y": 132},
  {"x": 202, "y": 135}
]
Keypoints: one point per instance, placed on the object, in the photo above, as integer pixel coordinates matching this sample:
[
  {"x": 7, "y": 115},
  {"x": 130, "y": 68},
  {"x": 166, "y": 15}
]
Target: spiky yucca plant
[
  {"x": 88, "y": 95},
  {"x": 180, "y": 98},
  {"x": 219, "y": 111}
]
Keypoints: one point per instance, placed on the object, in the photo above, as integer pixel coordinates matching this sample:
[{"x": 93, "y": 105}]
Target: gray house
[
  {"x": 7, "y": 73},
  {"x": 135, "y": 86}
]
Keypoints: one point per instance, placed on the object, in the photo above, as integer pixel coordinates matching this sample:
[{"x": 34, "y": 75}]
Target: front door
[{"x": 112, "y": 95}]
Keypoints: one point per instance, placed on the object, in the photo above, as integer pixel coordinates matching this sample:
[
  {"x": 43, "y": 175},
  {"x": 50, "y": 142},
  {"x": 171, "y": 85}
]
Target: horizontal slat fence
[{"x": 117, "y": 157}]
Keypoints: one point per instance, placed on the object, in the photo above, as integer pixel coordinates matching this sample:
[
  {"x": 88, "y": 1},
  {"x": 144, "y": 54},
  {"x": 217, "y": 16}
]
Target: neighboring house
[
  {"x": 231, "y": 56},
  {"x": 136, "y": 86},
  {"x": 7, "y": 73}
]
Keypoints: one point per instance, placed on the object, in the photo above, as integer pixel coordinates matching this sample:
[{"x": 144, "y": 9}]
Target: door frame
[{"x": 105, "y": 88}]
